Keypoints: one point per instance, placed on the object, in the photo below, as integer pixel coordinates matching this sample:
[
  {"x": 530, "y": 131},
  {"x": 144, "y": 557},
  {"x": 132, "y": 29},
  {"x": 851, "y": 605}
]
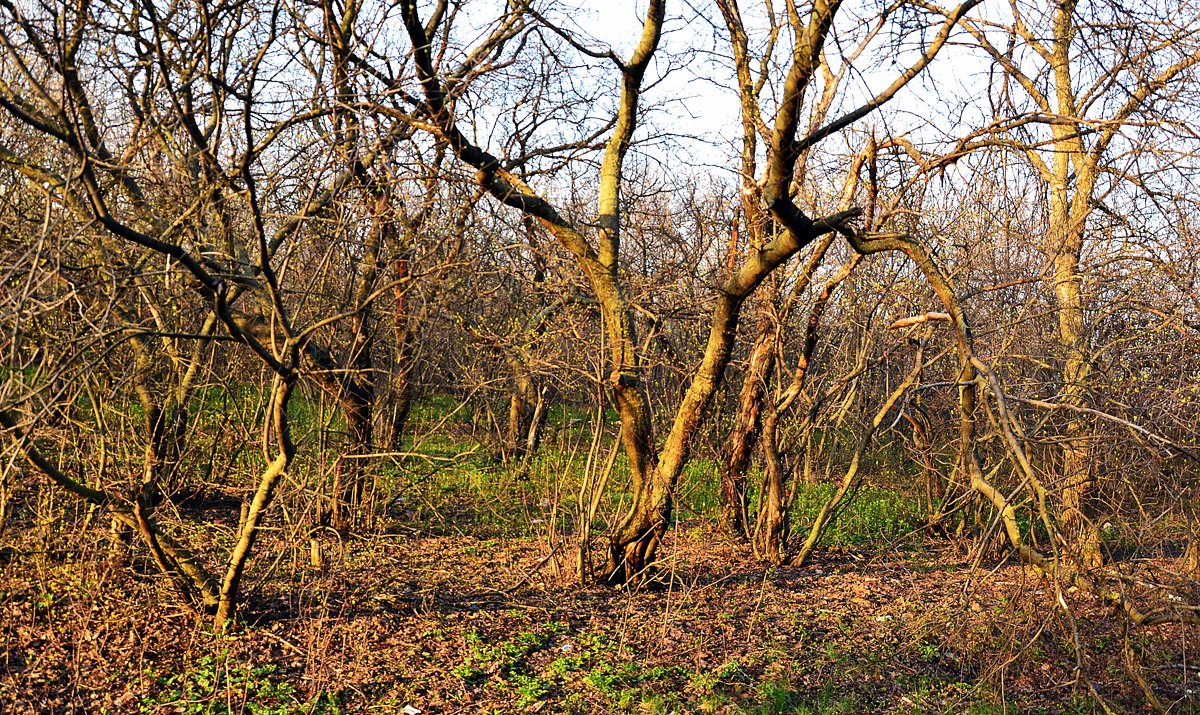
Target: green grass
[
  {"x": 875, "y": 516},
  {"x": 464, "y": 479},
  {"x": 457, "y": 484},
  {"x": 779, "y": 698}
]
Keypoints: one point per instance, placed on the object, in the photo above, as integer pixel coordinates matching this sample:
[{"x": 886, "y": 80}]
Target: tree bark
[
  {"x": 277, "y": 426},
  {"x": 735, "y": 498},
  {"x": 1079, "y": 516},
  {"x": 771, "y": 529},
  {"x": 522, "y": 406}
]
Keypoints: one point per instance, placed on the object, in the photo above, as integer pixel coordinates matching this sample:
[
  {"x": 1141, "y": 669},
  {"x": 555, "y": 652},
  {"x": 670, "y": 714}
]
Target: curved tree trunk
[
  {"x": 633, "y": 543},
  {"x": 278, "y": 428},
  {"x": 735, "y": 498},
  {"x": 769, "y": 539},
  {"x": 653, "y": 476}
]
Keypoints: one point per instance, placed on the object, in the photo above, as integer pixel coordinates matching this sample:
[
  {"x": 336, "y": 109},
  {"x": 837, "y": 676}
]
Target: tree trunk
[
  {"x": 277, "y": 426},
  {"x": 771, "y": 528},
  {"x": 769, "y": 539},
  {"x": 401, "y": 383},
  {"x": 537, "y": 424},
  {"x": 1079, "y": 516},
  {"x": 742, "y": 439},
  {"x": 355, "y": 389},
  {"x": 1073, "y": 176},
  {"x": 401, "y": 389},
  {"x": 349, "y": 479},
  {"x": 634, "y": 544},
  {"x": 522, "y": 405}
]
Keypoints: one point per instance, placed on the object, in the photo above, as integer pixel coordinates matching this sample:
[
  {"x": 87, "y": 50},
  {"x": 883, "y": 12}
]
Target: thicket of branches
[{"x": 241, "y": 241}]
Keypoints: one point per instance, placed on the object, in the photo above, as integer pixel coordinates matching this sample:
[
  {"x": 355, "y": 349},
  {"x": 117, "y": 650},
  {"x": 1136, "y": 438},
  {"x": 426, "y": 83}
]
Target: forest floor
[{"x": 459, "y": 624}]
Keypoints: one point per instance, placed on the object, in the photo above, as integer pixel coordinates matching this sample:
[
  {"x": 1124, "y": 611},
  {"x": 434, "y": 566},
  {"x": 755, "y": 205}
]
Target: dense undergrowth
[{"x": 465, "y": 596}]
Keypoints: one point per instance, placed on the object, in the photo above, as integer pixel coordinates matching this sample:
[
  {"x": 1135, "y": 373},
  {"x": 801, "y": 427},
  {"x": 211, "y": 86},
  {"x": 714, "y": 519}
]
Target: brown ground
[{"x": 462, "y": 625}]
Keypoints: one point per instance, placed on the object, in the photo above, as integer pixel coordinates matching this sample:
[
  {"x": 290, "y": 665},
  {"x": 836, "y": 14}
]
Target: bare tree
[
  {"x": 1074, "y": 87},
  {"x": 654, "y": 470},
  {"x": 105, "y": 125}
]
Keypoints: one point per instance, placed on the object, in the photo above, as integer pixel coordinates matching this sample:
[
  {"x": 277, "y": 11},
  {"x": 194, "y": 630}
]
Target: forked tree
[
  {"x": 113, "y": 109},
  {"x": 596, "y": 244},
  {"x": 1076, "y": 89}
]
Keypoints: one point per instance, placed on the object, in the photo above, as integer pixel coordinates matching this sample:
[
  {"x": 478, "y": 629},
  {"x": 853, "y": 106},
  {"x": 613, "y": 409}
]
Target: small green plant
[
  {"x": 602, "y": 678},
  {"x": 506, "y": 658},
  {"x": 567, "y": 664},
  {"x": 929, "y": 652},
  {"x": 215, "y": 685},
  {"x": 709, "y": 680},
  {"x": 468, "y": 672},
  {"x": 778, "y": 698},
  {"x": 530, "y": 689}
]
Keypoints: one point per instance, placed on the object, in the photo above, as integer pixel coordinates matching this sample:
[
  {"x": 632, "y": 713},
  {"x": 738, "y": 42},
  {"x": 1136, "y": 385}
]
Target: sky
[{"x": 696, "y": 97}]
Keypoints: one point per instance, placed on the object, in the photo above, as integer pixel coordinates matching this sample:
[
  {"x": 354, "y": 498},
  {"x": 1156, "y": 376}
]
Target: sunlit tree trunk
[{"x": 735, "y": 498}]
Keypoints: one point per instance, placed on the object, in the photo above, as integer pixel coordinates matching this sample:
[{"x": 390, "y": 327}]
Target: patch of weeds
[
  {"x": 875, "y": 515},
  {"x": 831, "y": 652},
  {"x": 567, "y": 664},
  {"x": 629, "y": 686},
  {"x": 778, "y": 698},
  {"x": 602, "y": 678},
  {"x": 626, "y": 699},
  {"x": 921, "y": 695},
  {"x": 983, "y": 708},
  {"x": 530, "y": 689},
  {"x": 213, "y": 685},
  {"x": 528, "y": 640},
  {"x": 717, "y": 702},
  {"x": 658, "y": 704},
  {"x": 593, "y": 642},
  {"x": 469, "y": 673},
  {"x": 507, "y": 659},
  {"x": 929, "y": 652},
  {"x": 709, "y": 681},
  {"x": 574, "y": 703},
  {"x": 479, "y": 654}
]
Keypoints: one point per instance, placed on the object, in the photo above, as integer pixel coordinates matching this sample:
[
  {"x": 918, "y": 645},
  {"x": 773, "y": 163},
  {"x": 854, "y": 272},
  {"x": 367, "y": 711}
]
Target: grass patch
[{"x": 876, "y": 515}]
